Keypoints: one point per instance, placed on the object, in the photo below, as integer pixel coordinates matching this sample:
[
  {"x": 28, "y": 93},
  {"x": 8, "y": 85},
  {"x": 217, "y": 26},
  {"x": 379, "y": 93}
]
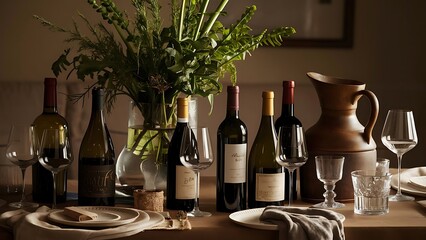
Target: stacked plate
[
  {"x": 107, "y": 217},
  {"x": 413, "y": 181}
]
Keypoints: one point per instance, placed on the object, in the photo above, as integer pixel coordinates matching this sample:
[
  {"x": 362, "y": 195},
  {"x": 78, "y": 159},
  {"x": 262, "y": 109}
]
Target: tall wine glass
[
  {"x": 55, "y": 153},
  {"x": 290, "y": 151},
  {"x": 399, "y": 135},
  {"x": 196, "y": 154},
  {"x": 21, "y": 150}
]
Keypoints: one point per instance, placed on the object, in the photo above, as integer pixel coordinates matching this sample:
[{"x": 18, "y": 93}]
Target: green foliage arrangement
[{"x": 152, "y": 63}]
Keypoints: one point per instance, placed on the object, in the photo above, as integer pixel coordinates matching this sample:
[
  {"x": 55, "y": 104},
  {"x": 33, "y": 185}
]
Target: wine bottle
[
  {"x": 231, "y": 194},
  {"x": 42, "y": 178},
  {"x": 286, "y": 121},
  {"x": 180, "y": 180},
  {"x": 265, "y": 175},
  {"x": 96, "y": 160}
]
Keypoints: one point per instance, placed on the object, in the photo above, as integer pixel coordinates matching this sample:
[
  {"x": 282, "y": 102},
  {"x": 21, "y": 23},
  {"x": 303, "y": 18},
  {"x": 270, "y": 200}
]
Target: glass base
[
  {"x": 23, "y": 204},
  {"x": 400, "y": 198},
  {"x": 198, "y": 213},
  {"x": 333, "y": 205}
]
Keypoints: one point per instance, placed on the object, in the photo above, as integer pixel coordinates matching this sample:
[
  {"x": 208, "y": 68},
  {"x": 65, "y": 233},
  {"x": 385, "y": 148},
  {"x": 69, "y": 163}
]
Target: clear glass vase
[{"x": 142, "y": 162}]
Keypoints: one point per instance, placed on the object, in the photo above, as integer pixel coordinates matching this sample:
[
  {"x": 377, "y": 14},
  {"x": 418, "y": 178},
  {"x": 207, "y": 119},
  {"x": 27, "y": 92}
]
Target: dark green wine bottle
[
  {"x": 49, "y": 119},
  {"x": 180, "y": 180},
  {"x": 287, "y": 120},
  {"x": 96, "y": 161},
  {"x": 265, "y": 175},
  {"x": 231, "y": 193}
]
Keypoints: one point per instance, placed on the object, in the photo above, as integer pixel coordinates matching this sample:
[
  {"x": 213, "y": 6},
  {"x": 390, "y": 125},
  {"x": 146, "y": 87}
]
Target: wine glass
[
  {"x": 21, "y": 150},
  {"x": 399, "y": 135},
  {"x": 290, "y": 151},
  {"x": 196, "y": 154},
  {"x": 329, "y": 171},
  {"x": 55, "y": 153}
]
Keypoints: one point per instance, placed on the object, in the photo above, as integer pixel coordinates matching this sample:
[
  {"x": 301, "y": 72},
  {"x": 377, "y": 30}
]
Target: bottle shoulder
[
  {"x": 235, "y": 124},
  {"x": 50, "y": 118},
  {"x": 287, "y": 121}
]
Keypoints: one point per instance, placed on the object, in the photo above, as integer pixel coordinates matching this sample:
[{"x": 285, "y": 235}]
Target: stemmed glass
[
  {"x": 399, "y": 135},
  {"x": 290, "y": 151},
  {"x": 21, "y": 150},
  {"x": 196, "y": 154},
  {"x": 329, "y": 171},
  {"x": 55, "y": 153}
]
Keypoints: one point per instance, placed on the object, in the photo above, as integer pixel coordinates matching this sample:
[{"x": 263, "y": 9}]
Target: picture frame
[{"x": 318, "y": 23}]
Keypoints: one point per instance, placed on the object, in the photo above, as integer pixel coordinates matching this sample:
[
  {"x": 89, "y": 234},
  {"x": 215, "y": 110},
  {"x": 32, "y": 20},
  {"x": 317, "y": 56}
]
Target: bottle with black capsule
[
  {"x": 42, "y": 180},
  {"x": 265, "y": 175},
  {"x": 96, "y": 163},
  {"x": 180, "y": 180},
  {"x": 286, "y": 121},
  {"x": 231, "y": 193}
]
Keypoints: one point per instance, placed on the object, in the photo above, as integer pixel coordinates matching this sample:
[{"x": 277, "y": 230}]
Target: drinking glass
[
  {"x": 21, "y": 150},
  {"x": 399, "y": 135},
  {"x": 329, "y": 171},
  {"x": 290, "y": 151},
  {"x": 55, "y": 153},
  {"x": 196, "y": 154}
]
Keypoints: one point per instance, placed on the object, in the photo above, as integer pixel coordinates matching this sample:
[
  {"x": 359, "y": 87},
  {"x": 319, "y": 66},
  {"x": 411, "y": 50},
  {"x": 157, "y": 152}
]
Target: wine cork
[{"x": 148, "y": 200}]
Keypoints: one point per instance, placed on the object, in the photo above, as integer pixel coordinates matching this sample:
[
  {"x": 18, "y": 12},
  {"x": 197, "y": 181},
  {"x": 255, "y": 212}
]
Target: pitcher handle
[{"x": 373, "y": 115}]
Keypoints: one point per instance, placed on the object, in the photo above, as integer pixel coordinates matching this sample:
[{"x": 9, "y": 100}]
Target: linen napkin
[
  {"x": 305, "y": 223},
  {"x": 35, "y": 226}
]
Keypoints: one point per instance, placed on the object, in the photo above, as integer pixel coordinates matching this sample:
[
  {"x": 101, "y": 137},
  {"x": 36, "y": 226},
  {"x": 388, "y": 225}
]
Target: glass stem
[
  {"x": 197, "y": 191},
  {"x": 290, "y": 191},
  {"x": 54, "y": 190},
  {"x": 399, "y": 156},
  {"x": 23, "y": 185},
  {"x": 329, "y": 194}
]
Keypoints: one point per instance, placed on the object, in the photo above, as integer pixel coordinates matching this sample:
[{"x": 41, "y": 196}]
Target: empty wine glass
[
  {"x": 329, "y": 171},
  {"x": 399, "y": 135},
  {"x": 196, "y": 154},
  {"x": 55, "y": 153},
  {"x": 21, "y": 150},
  {"x": 290, "y": 151}
]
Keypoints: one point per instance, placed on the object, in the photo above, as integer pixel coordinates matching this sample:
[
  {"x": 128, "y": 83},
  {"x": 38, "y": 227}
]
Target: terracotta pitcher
[{"x": 338, "y": 132}]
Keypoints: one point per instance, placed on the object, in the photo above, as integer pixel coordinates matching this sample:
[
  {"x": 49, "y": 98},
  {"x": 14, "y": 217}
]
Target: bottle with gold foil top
[
  {"x": 180, "y": 180},
  {"x": 96, "y": 163},
  {"x": 265, "y": 175}
]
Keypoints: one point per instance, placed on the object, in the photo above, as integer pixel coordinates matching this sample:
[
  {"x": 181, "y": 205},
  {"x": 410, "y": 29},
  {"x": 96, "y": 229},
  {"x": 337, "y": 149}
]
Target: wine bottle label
[
  {"x": 185, "y": 183},
  {"x": 235, "y": 163},
  {"x": 269, "y": 187},
  {"x": 99, "y": 181}
]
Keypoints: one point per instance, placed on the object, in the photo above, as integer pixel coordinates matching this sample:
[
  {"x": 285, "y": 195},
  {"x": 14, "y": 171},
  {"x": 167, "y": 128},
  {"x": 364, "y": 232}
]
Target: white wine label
[
  {"x": 185, "y": 183},
  {"x": 235, "y": 163},
  {"x": 269, "y": 187}
]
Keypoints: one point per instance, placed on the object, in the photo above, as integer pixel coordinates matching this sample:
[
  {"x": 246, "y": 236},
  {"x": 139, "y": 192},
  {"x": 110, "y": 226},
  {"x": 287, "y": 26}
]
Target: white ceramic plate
[
  {"x": 407, "y": 187},
  {"x": 107, "y": 217},
  {"x": 250, "y": 218}
]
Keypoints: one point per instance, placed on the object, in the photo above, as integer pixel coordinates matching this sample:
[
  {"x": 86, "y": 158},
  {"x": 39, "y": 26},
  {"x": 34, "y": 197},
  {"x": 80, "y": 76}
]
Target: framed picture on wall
[{"x": 318, "y": 23}]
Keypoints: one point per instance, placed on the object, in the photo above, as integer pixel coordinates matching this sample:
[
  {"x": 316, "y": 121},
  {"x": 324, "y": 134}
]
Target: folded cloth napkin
[
  {"x": 35, "y": 226},
  {"x": 305, "y": 223}
]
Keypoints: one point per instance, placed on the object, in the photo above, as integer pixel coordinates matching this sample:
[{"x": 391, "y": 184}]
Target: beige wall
[{"x": 388, "y": 54}]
